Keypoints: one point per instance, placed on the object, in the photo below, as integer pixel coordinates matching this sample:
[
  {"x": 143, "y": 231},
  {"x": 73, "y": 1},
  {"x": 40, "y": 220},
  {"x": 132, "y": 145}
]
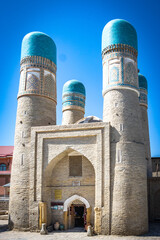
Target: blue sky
[{"x": 76, "y": 27}]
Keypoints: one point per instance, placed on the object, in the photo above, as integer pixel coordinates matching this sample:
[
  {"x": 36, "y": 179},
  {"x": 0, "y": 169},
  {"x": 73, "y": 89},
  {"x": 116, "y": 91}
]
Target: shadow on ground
[
  {"x": 154, "y": 229},
  {"x": 3, "y": 225}
]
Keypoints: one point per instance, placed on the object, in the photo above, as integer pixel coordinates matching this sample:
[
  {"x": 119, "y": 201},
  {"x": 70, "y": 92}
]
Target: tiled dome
[
  {"x": 73, "y": 94},
  {"x": 74, "y": 86},
  {"x": 142, "y": 82},
  {"x": 38, "y": 44},
  {"x": 119, "y": 31}
]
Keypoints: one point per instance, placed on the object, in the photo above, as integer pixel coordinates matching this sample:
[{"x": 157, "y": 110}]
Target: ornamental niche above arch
[{"x": 60, "y": 156}]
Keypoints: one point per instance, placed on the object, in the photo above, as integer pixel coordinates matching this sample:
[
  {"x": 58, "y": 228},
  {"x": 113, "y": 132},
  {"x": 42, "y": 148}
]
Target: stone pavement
[{"x": 75, "y": 234}]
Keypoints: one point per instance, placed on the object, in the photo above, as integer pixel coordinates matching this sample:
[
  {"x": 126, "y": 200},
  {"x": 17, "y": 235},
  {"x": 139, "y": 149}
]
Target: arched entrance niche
[
  {"x": 157, "y": 206},
  {"x": 72, "y": 201},
  {"x": 65, "y": 183}
]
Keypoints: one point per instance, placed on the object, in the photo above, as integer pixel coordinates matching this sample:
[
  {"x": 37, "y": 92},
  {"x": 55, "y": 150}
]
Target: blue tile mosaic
[
  {"x": 74, "y": 86},
  {"x": 119, "y": 31},
  {"x": 142, "y": 82},
  {"x": 38, "y": 44},
  {"x": 114, "y": 74}
]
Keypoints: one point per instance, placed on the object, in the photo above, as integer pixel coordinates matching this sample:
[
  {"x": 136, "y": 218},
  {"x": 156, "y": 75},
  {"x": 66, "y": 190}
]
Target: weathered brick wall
[
  {"x": 154, "y": 198},
  {"x": 128, "y": 192},
  {"x": 145, "y": 128},
  {"x": 71, "y": 116}
]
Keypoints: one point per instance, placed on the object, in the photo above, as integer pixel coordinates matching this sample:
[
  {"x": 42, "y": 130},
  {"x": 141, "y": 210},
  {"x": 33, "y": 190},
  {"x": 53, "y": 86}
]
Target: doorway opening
[
  {"x": 79, "y": 216},
  {"x": 77, "y": 212}
]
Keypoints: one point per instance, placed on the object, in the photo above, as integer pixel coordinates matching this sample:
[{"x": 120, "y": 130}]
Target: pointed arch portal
[{"x": 68, "y": 202}]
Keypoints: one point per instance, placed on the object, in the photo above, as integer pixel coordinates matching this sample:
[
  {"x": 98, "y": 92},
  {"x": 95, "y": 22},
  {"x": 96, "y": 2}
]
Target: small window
[
  {"x": 22, "y": 160},
  {"x": 119, "y": 156},
  {"x": 75, "y": 166},
  {"x": 121, "y": 127},
  {"x": 3, "y": 167}
]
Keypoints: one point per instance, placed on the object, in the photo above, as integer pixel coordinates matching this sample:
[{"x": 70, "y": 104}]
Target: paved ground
[{"x": 78, "y": 234}]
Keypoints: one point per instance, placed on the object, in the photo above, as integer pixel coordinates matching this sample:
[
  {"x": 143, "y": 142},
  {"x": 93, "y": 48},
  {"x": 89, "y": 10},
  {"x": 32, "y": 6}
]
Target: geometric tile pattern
[
  {"x": 143, "y": 98},
  {"x": 49, "y": 85},
  {"x": 127, "y": 73},
  {"x": 38, "y": 76},
  {"x": 33, "y": 82},
  {"x": 114, "y": 74},
  {"x": 130, "y": 74}
]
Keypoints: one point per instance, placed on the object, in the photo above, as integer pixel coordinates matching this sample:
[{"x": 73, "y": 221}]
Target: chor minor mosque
[{"x": 87, "y": 170}]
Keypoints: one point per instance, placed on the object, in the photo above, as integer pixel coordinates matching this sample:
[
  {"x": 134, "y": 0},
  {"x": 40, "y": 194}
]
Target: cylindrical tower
[
  {"x": 73, "y": 102},
  {"x": 36, "y": 107},
  {"x": 128, "y": 199},
  {"x": 143, "y": 100}
]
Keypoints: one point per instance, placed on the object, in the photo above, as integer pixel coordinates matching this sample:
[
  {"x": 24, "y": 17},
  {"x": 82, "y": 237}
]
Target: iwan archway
[{"x": 69, "y": 190}]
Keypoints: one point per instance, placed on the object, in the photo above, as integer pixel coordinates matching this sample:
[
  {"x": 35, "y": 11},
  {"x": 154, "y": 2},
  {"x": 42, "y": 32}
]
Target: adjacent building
[{"x": 6, "y": 155}]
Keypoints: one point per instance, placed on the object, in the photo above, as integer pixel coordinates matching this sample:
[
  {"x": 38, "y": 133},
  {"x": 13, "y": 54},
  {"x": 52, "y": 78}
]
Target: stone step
[
  {"x": 4, "y": 217},
  {"x": 3, "y": 212}
]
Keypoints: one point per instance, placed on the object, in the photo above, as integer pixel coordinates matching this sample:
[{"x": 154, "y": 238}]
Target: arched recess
[
  {"x": 157, "y": 205},
  {"x": 56, "y": 177},
  {"x": 55, "y": 160}
]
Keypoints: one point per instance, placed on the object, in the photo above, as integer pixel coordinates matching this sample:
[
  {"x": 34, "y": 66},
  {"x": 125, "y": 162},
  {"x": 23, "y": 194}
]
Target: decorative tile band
[
  {"x": 73, "y": 99},
  {"x": 119, "y": 69},
  {"x": 118, "y": 55},
  {"x": 143, "y": 100},
  {"x": 37, "y": 61},
  {"x": 120, "y": 48},
  {"x": 122, "y": 70},
  {"x": 114, "y": 74}
]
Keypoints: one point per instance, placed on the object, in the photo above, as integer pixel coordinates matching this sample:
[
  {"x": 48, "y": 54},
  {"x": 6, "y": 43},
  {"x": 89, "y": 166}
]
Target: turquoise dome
[
  {"x": 38, "y": 44},
  {"x": 142, "y": 82},
  {"x": 119, "y": 31},
  {"x": 74, "y": 86}
]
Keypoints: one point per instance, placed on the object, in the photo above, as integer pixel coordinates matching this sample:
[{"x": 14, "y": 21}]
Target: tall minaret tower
[
  {"x": 73, "y": 102},
  {"x": 36, "y": 107},
  {"x": 143, "y": 100},
  {"x": 128, "y": 180}
]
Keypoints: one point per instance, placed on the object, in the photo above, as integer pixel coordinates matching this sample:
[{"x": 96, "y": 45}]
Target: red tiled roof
[{"x": 6, "y": 151}]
